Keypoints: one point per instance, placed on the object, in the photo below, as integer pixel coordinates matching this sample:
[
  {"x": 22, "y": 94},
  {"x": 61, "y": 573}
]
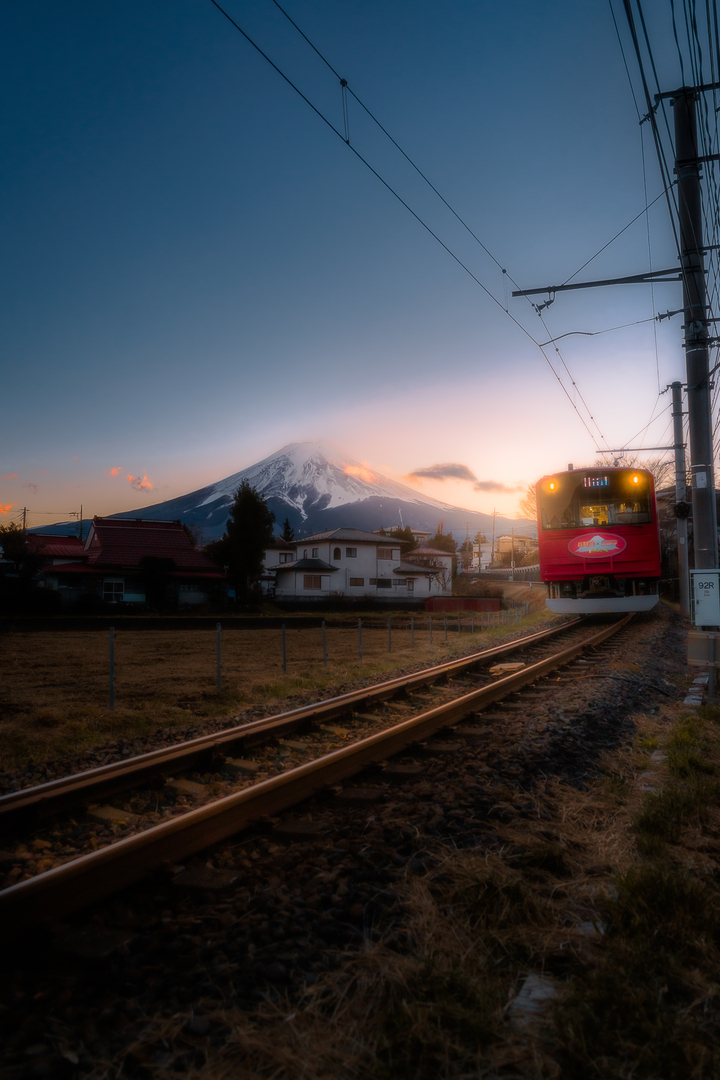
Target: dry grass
[
  {"x": 637, "y": 999},
  {"x": 55, "y": 689}
]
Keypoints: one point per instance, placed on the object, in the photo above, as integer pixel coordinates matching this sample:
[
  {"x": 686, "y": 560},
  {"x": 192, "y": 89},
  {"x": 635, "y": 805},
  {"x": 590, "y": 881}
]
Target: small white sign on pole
[{"x": 705, "y": 597}]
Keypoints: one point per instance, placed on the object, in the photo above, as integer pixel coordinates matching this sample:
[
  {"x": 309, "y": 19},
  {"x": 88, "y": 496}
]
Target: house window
[
  {"x": 304, "y": 553},
  {"x": 312, "y": 581},
  {"x": 357, "y": 580},
  {"x": 385, "y": 553},
  {"x": 399, "y": 583},
  {"x": 372, "y": 581},
  {"x": 351, "y": 553},
  {"x": 337, "y": 553},
  {"x": 286, "y": 556},
  {"x": 411, "y": 585},
  {"x": 113, "y": 591},
  {"x": 315, "y": 553},
  {"x": 384, "y": 583}
]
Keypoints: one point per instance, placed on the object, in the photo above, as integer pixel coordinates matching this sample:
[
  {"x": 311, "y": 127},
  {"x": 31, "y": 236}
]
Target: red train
[{"x": 599, "y": 540}]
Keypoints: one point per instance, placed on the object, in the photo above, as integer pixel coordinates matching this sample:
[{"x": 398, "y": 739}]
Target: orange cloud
[
  {"x": 138, "y": 484},
  {"x": 10, "y": 476},
  {"x": 117, "y": 471},
  {"x": 5, "y": 507},
  {"x": 360, "y": 471}
]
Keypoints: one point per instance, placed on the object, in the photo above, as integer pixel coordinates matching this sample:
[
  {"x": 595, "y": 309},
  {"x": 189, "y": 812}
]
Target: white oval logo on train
[{"x": 597, "y": 546}]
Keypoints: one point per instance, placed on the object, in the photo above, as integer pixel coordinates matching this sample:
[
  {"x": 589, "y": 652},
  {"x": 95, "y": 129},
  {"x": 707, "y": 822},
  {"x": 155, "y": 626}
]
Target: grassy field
[
  {"x": 636, "y": 984},
  {"x": 55, "y": 692}
]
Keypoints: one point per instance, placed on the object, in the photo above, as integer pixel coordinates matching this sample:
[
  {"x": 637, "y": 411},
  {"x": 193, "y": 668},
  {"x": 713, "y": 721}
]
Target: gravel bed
[{"x": 286, "y": 913}]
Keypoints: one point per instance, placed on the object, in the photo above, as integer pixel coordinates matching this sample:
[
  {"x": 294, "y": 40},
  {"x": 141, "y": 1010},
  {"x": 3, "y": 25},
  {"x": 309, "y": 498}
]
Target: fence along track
[
  {"x": 120, "y": 776},
  {"x": 92, "y": 877}
]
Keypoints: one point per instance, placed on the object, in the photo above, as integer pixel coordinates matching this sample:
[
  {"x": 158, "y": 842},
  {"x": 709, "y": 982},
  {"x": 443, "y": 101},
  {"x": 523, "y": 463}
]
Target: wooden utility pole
[
  {"x": 680, "y": 486},
  {"x": 687, "y": 168}
]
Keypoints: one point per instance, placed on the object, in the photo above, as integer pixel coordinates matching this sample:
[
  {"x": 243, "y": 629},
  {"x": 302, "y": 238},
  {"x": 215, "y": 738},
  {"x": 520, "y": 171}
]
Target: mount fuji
[{"x": 318, "y": 488}]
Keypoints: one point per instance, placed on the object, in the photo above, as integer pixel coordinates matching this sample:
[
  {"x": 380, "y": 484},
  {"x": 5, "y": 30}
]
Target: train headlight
[
  {"x": 552, "y": 485},
  {"x": 636, "y": 479}
]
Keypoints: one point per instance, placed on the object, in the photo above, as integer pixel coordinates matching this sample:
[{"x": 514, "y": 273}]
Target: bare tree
[
  {"x": 662, "y": 468},
  {"x": 527, "y": 507}
]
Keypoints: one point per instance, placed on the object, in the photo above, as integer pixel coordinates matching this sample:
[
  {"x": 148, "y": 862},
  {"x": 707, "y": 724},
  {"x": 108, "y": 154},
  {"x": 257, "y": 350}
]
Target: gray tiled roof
[
  {"x": 318, "y": 565},
  {"x": 415, "y": 568},
  {"x": 353, "y": 534}
]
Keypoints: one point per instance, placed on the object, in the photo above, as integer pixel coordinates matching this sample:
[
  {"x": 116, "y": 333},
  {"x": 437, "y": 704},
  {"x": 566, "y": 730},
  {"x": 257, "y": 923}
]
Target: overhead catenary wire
[
  {"x": 403, "y": 203},
  {"x": 467, "y": 227}
]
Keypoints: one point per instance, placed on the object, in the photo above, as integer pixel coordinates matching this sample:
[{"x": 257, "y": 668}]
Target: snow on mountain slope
[{"x": 317, "y": 475}]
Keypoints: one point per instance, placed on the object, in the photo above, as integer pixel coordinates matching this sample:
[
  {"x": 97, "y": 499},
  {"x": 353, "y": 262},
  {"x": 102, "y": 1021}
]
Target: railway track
[{"x": 231, "y": 793}]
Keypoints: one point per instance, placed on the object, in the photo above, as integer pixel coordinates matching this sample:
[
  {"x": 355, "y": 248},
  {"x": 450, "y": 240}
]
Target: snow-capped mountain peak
[{"x": 315, "y": 476}]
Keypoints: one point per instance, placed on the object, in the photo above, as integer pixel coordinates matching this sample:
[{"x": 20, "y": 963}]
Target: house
[
  {"x": 353, "y": 564},
  {"x": 55, "y": 550},
  {"x": 279, "y": 551},
  {"x": 133, "y": 561},
  {"x": 441, "y": 561}
]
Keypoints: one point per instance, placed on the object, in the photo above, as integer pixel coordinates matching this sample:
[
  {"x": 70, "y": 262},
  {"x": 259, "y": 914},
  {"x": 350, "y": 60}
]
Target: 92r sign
[{"x": 705, "y": 597}]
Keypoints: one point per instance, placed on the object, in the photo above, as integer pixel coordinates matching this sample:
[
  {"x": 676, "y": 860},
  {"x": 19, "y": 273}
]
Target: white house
[
  {"x": 279, "y": 551},
  {"x": 354, "y": 564}
]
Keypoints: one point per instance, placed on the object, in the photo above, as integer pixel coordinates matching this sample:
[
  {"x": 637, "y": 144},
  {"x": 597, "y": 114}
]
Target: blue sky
[{"x": 198, "y": 270}]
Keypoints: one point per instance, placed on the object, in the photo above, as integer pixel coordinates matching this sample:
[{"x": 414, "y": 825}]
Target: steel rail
[
  {"x": 90, "y": 878},
  {"x": 106, "y": 780}
]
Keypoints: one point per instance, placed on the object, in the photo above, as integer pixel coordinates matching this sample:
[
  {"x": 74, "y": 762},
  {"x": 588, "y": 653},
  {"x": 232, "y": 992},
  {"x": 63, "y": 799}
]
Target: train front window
[{"x": 592, "y": 499}]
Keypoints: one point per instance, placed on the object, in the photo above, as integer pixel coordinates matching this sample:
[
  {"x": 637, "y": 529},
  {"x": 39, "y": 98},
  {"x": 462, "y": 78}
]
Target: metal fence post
[
  {"x": 412, "y": 632},
  {"x": 112, "y": 667},
  {"x": 324, "y": 644},
  {"x": 219, "y": 659},
  {"x": 446, "y": 627},
  {"x": 389, "y": 633},
  {"x": 431, "y": 629},
  {"x": 284, "y": 649},
  {"x": 360, "y": 638}
]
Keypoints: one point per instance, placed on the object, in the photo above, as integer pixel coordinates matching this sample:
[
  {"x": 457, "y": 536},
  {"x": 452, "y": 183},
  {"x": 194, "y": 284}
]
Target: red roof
[
  {"x": 57, "y": 547},
  {"x": 122, "y": 542}
]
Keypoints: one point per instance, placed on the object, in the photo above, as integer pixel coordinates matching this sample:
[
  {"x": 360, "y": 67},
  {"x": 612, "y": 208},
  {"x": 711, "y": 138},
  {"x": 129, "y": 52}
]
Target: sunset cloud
[
  {"x": 448, "y": 471},
  {"x": 6, "y": 507},
  {"x": 360, "y": 471},
  {"x": 116, "y": 471},
  {"x": 138, "y": 484},
  {"x": 493, "y": 485},
  {"x": 451, "y": 470},
  {"x": 10, "y": 476}
]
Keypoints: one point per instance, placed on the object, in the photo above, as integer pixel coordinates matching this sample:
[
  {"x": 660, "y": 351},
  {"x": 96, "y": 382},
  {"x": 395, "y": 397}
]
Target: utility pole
[
  {"x": 687, "y": 168},
  {"x": 24, "y": 514},
  {"x": 492, "y": 545},
  {"x": 680, "y": 489},
  {"x": 692, "y": 275}
]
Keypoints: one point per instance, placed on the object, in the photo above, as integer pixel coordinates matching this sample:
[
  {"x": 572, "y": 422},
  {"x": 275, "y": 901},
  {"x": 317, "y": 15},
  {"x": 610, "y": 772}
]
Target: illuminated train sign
[{"x": 600, "y": 545}]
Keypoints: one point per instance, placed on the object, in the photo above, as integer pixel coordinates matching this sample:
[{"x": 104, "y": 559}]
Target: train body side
[{"x": 598, "y": 538}]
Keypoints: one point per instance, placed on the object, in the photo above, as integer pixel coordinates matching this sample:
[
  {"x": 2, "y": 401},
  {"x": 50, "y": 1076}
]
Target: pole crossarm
[
  {"x": 684, "y": 90},
  {"x": 650, "y": 276},
  {"x": 637, "y": 449}
]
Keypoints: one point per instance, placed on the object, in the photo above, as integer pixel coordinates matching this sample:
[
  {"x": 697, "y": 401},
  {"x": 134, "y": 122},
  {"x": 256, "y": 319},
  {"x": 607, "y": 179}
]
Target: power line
[
  {"x": 403, "y": 203},
  {"x": 505, "y": 273}
]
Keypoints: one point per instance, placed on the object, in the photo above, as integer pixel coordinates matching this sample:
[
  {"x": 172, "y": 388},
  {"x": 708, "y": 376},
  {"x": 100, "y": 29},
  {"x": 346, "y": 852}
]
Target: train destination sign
[{"x": 600, "y": 545}]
